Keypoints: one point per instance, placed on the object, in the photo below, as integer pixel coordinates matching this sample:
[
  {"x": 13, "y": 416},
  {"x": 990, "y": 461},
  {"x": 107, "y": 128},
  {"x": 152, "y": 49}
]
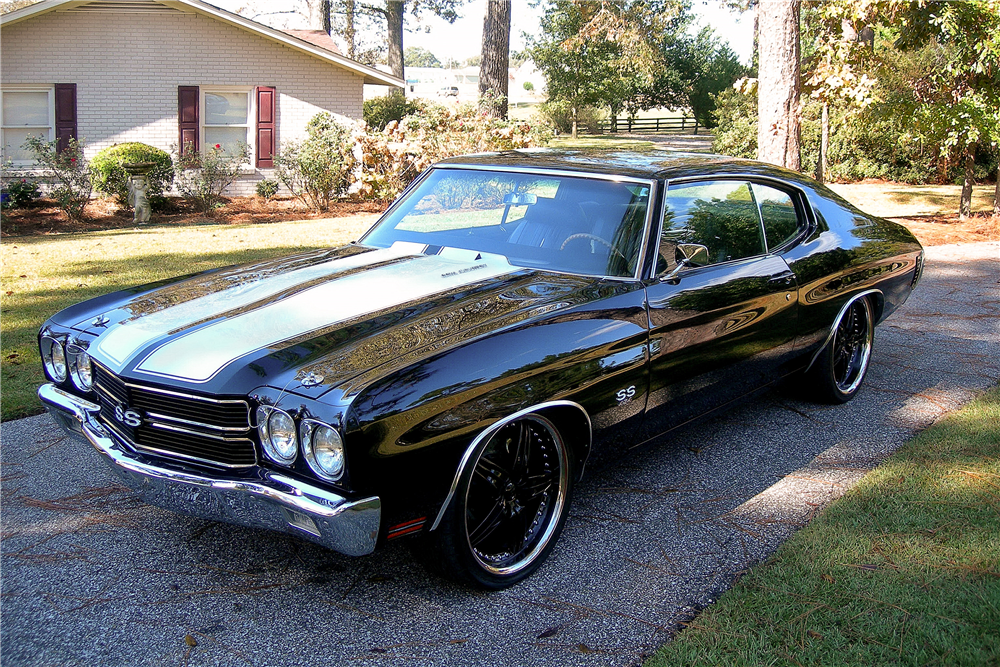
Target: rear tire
[
  {"x": 841, "y": 367},
  {"x": 509, "y": 507}
]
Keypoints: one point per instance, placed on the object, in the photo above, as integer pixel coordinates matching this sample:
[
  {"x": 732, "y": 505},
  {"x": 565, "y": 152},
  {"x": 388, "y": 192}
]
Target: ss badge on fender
[{"x": 625, "y": 395}]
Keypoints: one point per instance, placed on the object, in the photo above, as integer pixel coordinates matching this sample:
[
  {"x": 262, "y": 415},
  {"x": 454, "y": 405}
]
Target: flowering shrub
[
  {"x": 203, "y": 176},
  {"x": 390, "y": 159},
  {"x": 70, "y": 173},
  {"x": 111, "y": 178},
  {"x": 20, "y": 192},
  {"x": 317, "y": 168}
]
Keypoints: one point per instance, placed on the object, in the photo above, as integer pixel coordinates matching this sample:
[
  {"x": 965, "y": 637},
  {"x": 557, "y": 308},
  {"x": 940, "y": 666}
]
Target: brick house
[{"x": 168, "y": 73}]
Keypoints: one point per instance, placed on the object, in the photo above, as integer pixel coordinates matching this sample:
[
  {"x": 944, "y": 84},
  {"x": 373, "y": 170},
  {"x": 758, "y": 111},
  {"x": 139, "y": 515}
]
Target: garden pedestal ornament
[{"x": 137, "y": 187}]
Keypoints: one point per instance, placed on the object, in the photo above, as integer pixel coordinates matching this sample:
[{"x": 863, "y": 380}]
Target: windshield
[{"x": 572, "y": 224}]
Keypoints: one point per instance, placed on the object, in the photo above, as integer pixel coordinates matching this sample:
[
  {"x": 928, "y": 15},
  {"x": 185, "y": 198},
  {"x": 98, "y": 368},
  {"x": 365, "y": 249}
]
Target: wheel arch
[
  {"x": 569, "y": 418},
  {"x": 877, "y": 302}
]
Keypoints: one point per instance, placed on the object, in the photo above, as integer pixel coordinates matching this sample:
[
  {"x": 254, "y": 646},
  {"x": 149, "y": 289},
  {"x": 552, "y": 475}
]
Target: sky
[{"x": 463, "y": 38}]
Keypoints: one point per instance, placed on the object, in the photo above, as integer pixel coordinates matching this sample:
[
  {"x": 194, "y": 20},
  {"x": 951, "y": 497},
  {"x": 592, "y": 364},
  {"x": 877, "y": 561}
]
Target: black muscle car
[{"x": 509, "y": 318}]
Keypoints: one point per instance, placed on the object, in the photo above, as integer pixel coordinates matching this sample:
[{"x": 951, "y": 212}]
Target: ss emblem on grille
[{"x": 128, "y": 416}]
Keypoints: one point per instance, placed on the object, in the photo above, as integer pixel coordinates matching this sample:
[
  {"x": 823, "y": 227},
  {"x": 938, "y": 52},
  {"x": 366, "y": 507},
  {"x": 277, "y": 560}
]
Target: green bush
[
  {"x": 20, "y": 193},
  {"x": 872, "y": 143},
  {"x": 380, "y": 111},
  {"x": 558, "y": 115},
  {"x": 317, "y": 168},
  {"x": 111, "y": 178},
  {"x": 736, "y": 129},
  {"x": 267, "y": 188}
]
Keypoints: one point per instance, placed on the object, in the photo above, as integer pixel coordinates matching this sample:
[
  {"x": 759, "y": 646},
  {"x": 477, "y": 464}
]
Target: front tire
[
  {"x": 510, "y": 505},
  {"x": 843, "y": 363}
]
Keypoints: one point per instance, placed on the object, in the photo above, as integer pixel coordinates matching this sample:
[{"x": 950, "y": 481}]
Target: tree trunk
[
  {"x": 349, "y": 32},
  {"x": 778, "y": 84},
  {"x": 996, "y": 193},
  {"x": 394, "y": 21},
  {"x": 319, "y": 15},
  {"x": 493, "y": 68},
  {"x": 573, "y": 117},
  {"x": 824, "y": 143},
  {"x": 965, "y": 205}
]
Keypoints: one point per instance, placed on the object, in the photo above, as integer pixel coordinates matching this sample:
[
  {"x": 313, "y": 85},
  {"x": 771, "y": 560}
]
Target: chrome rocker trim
[{"x": 272, "y": 501}]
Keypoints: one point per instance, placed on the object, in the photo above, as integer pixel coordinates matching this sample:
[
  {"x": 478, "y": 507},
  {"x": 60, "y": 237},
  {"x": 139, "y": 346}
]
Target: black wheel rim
[
  {"x": 852, "y": 347},
  {"x": 516, "y": 495}
]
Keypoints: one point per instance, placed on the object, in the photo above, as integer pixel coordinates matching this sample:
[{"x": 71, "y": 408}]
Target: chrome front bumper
[{"x": 269, "y": 500}]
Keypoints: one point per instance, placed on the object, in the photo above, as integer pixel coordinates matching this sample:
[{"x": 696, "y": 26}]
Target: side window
[
  {"x": 778, "y": 212},
  {"x": 720, "y": 215}
]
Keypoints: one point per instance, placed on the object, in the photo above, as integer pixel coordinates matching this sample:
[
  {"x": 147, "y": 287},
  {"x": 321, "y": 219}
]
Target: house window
[
  {"x": 26, "y": 112},
  {"x": 226, "y": 118}
]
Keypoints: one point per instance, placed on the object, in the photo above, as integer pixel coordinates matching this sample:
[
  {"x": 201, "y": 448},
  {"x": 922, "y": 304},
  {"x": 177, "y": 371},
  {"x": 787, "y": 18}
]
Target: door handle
[{"x": 783, "y": 279}]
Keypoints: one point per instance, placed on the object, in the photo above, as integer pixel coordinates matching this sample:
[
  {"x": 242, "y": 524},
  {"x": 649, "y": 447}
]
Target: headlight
[
  {"x": 79, "y": 367},
  {"x": 277, "y": 434},
  {"x": 323, "y": 449},
  {"x": 54, "y": 358}
]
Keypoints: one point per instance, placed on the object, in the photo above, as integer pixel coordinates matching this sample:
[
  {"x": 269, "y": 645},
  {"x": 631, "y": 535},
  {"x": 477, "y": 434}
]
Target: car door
[{"x": 721, "y": 325}]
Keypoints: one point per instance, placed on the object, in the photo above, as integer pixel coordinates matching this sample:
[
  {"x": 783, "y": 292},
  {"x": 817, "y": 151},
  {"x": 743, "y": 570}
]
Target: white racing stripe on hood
[
  {"x": 122, "y": 340},
  {"x": 199, "y": 355}
]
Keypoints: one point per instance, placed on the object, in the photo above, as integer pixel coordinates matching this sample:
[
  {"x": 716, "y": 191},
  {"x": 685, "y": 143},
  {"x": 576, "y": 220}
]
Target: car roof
[{"x": 652, "y": 163}]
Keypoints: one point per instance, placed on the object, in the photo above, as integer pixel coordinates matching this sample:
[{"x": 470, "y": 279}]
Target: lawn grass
[
  {"x": 903, "y": 570},
  {"x": 44, "y": 274}
]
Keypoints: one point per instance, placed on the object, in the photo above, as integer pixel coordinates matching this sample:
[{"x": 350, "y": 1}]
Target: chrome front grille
[{"x": 176, "y": 424}]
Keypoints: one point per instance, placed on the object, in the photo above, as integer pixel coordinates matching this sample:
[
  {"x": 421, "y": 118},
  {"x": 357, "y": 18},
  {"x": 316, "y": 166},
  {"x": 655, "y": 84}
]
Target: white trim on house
[{"x": 369, "y": 74}]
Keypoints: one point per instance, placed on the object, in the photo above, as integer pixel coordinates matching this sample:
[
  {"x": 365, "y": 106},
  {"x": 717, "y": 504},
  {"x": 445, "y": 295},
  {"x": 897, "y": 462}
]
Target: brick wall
[{"x": 127, "y": 67}]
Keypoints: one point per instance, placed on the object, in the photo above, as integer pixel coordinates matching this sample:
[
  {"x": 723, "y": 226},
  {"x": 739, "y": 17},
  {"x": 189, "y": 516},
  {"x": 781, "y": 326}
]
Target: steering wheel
[{"x": 592, "y": 237}]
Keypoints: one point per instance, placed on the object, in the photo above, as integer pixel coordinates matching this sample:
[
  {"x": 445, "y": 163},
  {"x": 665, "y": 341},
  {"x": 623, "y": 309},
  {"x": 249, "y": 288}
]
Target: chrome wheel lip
[
  {"x": 554, "y": 515},
  {"x": 860, "y": 353}
]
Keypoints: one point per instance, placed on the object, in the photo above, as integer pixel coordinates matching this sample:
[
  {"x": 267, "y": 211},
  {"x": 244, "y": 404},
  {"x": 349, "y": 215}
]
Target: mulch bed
[{"x": 43, "y": 217}]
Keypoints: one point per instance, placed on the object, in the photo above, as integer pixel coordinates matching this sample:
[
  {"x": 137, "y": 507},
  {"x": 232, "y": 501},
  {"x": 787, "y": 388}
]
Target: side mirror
[
  {"x": 693, "y": 254},
  {"x": 688, "y": 254}
]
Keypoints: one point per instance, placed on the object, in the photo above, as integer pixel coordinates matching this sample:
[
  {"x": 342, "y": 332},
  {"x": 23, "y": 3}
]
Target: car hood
[{"x": 311, "y": 322}]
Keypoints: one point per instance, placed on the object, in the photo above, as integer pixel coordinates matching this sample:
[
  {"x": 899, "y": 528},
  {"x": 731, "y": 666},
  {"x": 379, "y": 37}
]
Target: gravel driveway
[{"x": 92, "y": 577}]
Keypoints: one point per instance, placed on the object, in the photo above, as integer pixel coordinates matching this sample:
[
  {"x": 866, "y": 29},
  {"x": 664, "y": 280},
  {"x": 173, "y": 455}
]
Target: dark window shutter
[
  {"x": 266, "y": 134},
  {"x": 65, "y": 114},
  {"x": 187, "y": 118}
]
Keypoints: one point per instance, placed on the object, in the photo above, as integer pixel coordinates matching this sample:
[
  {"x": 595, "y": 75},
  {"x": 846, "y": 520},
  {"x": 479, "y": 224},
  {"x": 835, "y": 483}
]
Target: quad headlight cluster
[
  {"x": 80, "y": 368},
  {"x": 67, "y": 360},
  {"x": 320, "y": 443}
]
